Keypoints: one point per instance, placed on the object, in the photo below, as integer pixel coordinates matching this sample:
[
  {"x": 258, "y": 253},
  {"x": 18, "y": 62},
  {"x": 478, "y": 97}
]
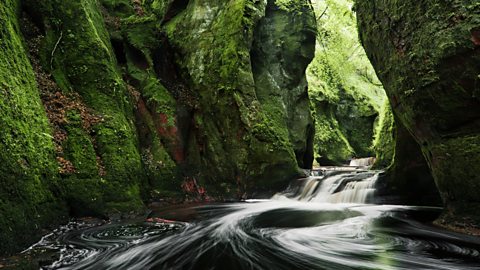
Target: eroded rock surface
[{"x": 427, "y": 55}]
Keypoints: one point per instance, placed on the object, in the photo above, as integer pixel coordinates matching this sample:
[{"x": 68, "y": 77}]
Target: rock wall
[
  {"x": 103, "y": 153},
  {"x": 106, "y": 104},
  {"x": 385, "y": 137},
  {"x": 284, "y": 46},
  {"x": 407, "y": 179},
  {"x": 240, "y": 140},
  {"x": 427, "y": 55},
  {"x": 28, "y": 183}
]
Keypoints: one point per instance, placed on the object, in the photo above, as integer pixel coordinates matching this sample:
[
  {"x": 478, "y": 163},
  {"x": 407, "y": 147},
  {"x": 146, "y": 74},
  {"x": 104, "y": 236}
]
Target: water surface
[{"x": 299, "y": 229}]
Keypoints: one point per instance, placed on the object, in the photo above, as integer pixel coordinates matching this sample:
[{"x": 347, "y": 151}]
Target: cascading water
[
  {"x": 362, "y": 162},
  {"x": 334, "y": 186},
  {"x": 320, "y": 222}
]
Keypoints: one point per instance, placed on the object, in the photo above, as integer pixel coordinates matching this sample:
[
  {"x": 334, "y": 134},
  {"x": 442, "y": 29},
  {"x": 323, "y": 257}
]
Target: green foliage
[{"x": 344, "y": 89}]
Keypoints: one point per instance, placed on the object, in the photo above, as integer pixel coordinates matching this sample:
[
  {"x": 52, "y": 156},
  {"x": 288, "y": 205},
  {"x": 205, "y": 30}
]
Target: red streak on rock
[
  {"x": 159, "y": 220},
  {"x": 476, "y": 37}
]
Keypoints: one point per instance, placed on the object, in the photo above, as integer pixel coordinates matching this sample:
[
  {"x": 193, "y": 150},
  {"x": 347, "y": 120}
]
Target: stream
[{"x": 321, "y": 222}]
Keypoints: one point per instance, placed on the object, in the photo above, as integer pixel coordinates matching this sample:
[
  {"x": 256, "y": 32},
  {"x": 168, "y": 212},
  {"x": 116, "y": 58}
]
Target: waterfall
[
  {"x": 362, "y": 162},
  {"x": 334, "y": 186}
]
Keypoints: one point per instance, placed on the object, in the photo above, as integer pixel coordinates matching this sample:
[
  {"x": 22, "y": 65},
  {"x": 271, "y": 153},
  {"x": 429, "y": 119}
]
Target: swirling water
[{"x": 287, "y": 232}]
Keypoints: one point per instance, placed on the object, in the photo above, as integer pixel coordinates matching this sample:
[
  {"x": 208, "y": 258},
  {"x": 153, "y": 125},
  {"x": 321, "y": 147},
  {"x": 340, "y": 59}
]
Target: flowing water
[{"x": 321, "y": 222}]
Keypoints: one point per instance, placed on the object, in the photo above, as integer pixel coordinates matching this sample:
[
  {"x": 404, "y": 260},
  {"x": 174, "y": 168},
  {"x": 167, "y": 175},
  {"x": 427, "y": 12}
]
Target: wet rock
[{"x": 426, "y": 55}]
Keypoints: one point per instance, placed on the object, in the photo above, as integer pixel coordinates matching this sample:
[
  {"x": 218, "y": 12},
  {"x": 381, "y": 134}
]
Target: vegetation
[
  {"x": 29, "y": 183},
  {"x": 106, "y": 105},
  {"x": 109, "y": 104},
  {"x": 346, "y": 94}
]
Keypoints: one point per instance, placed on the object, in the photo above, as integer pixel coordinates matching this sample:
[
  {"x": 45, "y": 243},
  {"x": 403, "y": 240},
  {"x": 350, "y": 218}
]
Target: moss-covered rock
[
  {"x": 346, "y": 94},
  {"x": 384, "y": 142},
  {"x": 78, "y": 53},
  {"x": 407, "y": 180},
  {"x": 427, "y": 56},
  {"x": 28, "y": 173},
  {"x": 162, "y": 108},
  {"x": 284, "y": 45},
  {"x": 146, "y": 98},
  {"x": 235, "y": 144}
]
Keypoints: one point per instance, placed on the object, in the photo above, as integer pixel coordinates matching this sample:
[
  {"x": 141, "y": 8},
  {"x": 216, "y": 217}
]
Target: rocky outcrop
[
  {"x": 283, "y": 47},
  {"x": 108, "y": 103},
  {"x": 427, "y": 54},
  {"x": 346, "y": 94},
  {"x": 239, "y": 139}
]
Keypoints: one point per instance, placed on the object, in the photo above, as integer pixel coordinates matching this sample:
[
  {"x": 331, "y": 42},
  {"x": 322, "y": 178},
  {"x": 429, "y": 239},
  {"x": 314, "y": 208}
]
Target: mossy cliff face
[
  {"x": 239, "y": 141},
  {"x": 107, "y": 165},
  {"x": 384, "y": 141},
  {"x": 427, "y": 54},
  {"x": 284, "y": 45},
  {"x": 162, "y": 103},
  {"x": 147, "y": 99},
  {"x": 346, "y": 94},
  {"x": 407, "y": 179},
  {"x": 28, "y": 173}
]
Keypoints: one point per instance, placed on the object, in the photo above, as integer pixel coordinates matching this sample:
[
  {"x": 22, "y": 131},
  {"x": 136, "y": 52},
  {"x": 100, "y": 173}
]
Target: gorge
[{"x": 110, "y": 108}]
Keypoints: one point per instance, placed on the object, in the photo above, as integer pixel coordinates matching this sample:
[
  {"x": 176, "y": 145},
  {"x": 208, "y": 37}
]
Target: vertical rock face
[
  {"x": 28, "y": 169},
  {"x": 239, "y": 141},
  {"x": 284, "y": 45},
  {"x": 408, "y": 179},
  {"x": 427, "y": 54},
  {"x": 384, "y": 143},
  {"x": 147, "y": 99},
  {"x": 106, "y": 161}
]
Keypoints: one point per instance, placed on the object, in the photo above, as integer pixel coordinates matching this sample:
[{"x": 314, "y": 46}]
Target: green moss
[
  {"x": 82, "y": 60},
  {"x": 426, "y": 55},
  {"x": 28, "y": 170},
  {"x": 384, "y": 142},
  {"x": 456, "y": 183},
  {"x": 237, "y": 146},
  {"x": 79, "y": 149},
  {"x": 141, "y": 32},
  {"x": 292, "y": 6},
  {"x": 284, "y": 45},
  {"x": 85, "y": 197},
  {"x": 156, "y": 109},
  {"x": 345, "y": 91},
  {"x": 118, "y": 7},
  {"x": 332, "y": 147}
]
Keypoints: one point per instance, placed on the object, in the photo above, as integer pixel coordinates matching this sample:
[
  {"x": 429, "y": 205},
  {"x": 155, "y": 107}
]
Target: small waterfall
[
  {"x": 356, "y": 192},
  {"x": 335, "y": 186},
  {"x": 362, "y": 162}
]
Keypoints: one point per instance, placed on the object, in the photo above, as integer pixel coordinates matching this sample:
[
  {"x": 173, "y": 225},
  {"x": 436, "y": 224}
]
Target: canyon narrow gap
[{"x": 239, "y": 134}]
